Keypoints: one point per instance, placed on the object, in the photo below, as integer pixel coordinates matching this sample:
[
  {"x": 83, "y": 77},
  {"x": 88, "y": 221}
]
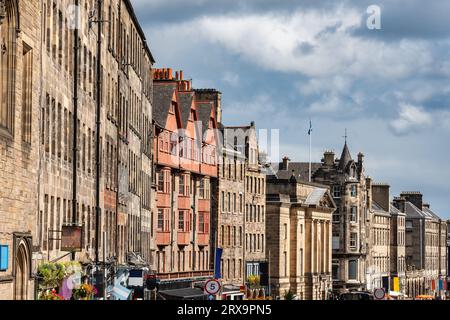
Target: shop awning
[
  {"x": 395, "y": 294},
  {"x": 185, "y": 293},
  {"x": 119, "y": 292}
]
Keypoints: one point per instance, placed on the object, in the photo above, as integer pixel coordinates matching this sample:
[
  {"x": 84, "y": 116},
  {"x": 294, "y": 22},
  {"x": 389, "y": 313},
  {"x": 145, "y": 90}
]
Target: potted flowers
[
  {"x": 50, "y": 295},
  {"x": 85, "y": 292}
]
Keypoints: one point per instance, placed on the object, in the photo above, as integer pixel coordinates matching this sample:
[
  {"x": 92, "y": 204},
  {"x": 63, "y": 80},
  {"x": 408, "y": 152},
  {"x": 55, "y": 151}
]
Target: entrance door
[{"x": 21, "y": 274}]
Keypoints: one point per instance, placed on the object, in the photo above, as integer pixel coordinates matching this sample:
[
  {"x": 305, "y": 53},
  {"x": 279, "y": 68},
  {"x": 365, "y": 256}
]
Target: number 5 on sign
[{"x": 212, "y": 287}]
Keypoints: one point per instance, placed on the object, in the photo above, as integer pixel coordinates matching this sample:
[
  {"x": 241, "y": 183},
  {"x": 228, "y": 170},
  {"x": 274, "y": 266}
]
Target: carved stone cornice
[{"x": 2, "y": 10}]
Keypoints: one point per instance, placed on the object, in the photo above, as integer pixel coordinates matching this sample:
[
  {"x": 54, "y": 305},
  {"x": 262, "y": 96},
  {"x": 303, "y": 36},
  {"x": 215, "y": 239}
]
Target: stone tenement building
[
  {"x": 255, "y": 205},
  {"x": 378, "y": 263},
  {"x": 299, "y": 235},
  {"x": 227, "y": 222},
  {"x": 240, "y": 206},
  {"x": 20, "y": 46},
  {"x": 186, "y": 160},
  {"x": 397, "y": 250},
  {"x": 346, "y": 180},
  {"x": 126, "y": 115},
  {"x": 426, "y": 236}
]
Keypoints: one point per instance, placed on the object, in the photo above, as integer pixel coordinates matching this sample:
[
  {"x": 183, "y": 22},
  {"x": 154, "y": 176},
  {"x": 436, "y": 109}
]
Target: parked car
[{"x": 356, "y": 296}]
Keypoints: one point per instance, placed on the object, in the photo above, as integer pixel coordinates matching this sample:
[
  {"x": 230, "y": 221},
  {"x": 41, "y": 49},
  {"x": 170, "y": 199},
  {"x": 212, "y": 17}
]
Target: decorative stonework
[{"x": 2, "y": 10}]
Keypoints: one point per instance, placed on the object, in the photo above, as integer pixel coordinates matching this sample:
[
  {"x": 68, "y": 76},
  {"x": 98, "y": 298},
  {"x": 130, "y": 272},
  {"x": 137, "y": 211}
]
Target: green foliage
[
  {"x": 254, "y": 280},
  {"x": 288, "y": 295},
  {"x": 53, "y": 273}
]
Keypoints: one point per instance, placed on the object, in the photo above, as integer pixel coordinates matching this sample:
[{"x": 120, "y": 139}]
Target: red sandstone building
[{"x": 186, "y": 162}]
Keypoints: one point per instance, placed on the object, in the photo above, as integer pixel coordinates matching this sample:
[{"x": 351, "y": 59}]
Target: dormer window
[
  {"x": 336, "y": 191},
  {"x": 353, "y": 190},
  {"x": 353, "y": 171},
  {"x": 172, "y": 108}
]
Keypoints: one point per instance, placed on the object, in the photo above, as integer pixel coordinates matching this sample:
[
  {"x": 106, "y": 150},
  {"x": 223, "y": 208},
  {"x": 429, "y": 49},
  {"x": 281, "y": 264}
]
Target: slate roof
[
  {"x": 185, "y": 99},
  {"x": 162, "y": 98},
  {"x": 345, "y": 157},
  {"x": 204, "y": 113},
  {"x": 430, "y": 213},
  {"x": 413, "y": 212},
  {"x": 394, "y": 210},
  {"x": 315, "y": 196},
  {"x": 300, "y": 170},
  {"x": 378, "y": 209}
]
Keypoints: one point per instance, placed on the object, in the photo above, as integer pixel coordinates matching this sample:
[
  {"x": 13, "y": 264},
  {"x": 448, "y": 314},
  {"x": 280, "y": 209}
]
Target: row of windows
[
  {"x": 186, "y": 148},
  {"x": 184, "y": 260},
  {"x": 186, "y": 184},
  {"x": 352, "y": 270},
  {"x": 126, "y": 44},
  {"x": 336, "y": 190},
  {"x": 254, "y": 242},
  {"x": 57, "y": 131},
  {"x": 352, "y": 241},
  {"x": 231, "y": 203},
  {"x": 231, "y": 268},
  {"x": 255, "y": 185},
  {"x": 352, "y": 215},
  {"x": 380, "y": 237},
  {"x": 7, "y": 82},
  {"x": 184, "y": 221},
  {"x": 232, "y": 170},
  {"x": 110, "y": 164},
  {"x": 230, "y": 236},
  {"x": 382, "y": 264},
  {"x": 254, "y": 213},
  {"x": 57, "y": 212}
]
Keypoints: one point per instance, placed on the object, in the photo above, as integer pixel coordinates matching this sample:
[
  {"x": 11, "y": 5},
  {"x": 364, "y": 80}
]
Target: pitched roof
[
  {"x": 185, "y": 99},
  {"x": 300, "y": 170},
  {"x": 431, "y": 213},
  {"x": 162, "y": 98},
  {"x": 315, "y": 196},
  {"x": 204, "y": 113},
  {"x": 345, "y": 157},
  {"x": 394, "y": 211}
]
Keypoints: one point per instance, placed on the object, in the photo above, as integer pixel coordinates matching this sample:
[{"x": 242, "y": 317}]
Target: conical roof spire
[{"x": 345, "y": 157}]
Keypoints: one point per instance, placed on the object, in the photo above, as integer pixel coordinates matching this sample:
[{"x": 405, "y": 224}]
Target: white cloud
[
  {"x": 411, "y": 118},
  {"x": 231, "y": 78}
]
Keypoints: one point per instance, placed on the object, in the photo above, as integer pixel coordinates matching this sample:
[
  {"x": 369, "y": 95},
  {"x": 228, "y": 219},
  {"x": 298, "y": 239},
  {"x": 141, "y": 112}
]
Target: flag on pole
[
  {"x": 218, "y": 258},
  {"x": 310, "y": 127}
]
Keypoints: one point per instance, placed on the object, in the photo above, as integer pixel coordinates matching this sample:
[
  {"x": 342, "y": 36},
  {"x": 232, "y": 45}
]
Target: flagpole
[{"x": 310, "y": 148}]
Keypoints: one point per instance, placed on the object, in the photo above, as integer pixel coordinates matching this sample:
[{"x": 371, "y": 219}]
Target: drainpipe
[
  {"x": 194, "y": 225},
  {"x": 75, "y": 119}
]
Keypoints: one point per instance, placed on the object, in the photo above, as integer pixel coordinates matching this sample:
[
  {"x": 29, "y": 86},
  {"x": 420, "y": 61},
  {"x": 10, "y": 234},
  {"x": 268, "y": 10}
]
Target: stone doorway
[{"x": 21, "y": 272}]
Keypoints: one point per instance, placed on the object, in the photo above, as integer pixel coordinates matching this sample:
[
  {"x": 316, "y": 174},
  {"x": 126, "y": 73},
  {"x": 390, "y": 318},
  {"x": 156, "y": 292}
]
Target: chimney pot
[
  {"x": 176, "y": 75},
  {"x": 329, "y": 158},
  {"x": 181, "y": 74},
  {"x": 285, "y": 164},
  {"x": 169, "y": 74}
]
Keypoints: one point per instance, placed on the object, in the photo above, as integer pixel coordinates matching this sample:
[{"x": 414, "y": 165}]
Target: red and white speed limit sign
[
  {"x": 379, "y": 294},
  {"x": 212, "y": 286}
]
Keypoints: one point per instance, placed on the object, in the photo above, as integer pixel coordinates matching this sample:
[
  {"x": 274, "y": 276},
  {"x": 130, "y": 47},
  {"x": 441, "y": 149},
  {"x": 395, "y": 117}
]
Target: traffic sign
[
  {"x": 212, "y": 287},
  {"x": 211, "y": 297},
  {"x": 379, "y": 293}
]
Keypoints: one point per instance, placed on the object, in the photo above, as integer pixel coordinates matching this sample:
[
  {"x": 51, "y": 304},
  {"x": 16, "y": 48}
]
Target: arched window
[{"x": 9, "y": 26}]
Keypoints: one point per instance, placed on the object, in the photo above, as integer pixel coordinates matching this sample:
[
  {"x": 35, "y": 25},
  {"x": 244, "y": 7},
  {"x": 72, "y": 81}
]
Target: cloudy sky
[{"x": 281, "y": 63}]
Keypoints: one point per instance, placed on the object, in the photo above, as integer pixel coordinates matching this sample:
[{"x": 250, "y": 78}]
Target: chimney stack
[
  {"x": 399, "y": 203},
  {"x": 285, "y": 163},
  {"x": 380, "y": 194},
  {"x": 415, "y": 197},
  {"x": 328, "y": 158},
  {"x": 360, "y": 158}
]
